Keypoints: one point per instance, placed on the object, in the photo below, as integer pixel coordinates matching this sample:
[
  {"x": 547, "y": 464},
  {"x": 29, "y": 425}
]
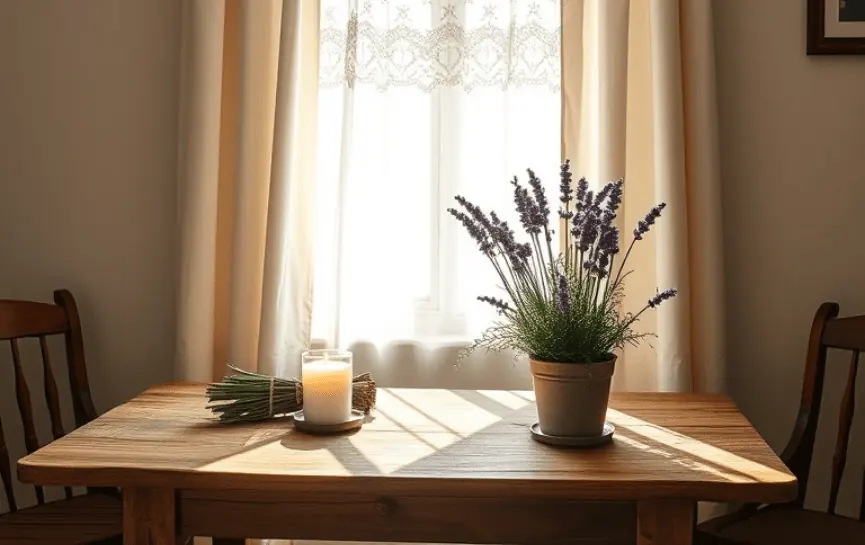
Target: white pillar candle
[{"x": 326, "y": 377}]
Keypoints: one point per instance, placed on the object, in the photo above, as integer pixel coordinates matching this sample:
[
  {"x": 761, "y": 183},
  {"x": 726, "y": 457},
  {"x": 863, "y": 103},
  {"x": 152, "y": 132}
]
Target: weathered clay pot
[{"x": 572, "y": 397}]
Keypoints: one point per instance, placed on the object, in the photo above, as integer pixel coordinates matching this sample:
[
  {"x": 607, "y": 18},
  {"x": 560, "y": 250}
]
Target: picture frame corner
[{"x": 817, "y": 41}]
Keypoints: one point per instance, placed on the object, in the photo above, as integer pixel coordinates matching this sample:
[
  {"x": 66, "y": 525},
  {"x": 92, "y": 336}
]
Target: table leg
[
  {"x": 665, "y": 522},
  {"x": 148, "y": 516}
]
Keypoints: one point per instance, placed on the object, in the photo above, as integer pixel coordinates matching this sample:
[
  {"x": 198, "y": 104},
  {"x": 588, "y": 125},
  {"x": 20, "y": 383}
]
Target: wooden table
[{"x": 433, "y": 466}]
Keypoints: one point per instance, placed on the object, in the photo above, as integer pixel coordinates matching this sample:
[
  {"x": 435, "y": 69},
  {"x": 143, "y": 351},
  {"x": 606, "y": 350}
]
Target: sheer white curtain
[{"x": 421, "y": 100}]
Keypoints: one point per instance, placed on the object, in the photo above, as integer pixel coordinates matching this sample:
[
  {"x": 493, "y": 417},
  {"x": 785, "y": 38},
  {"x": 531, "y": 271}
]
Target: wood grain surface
[
  {"x": 424, "y": 443},
  {"x": 148, "y": 516},
  {"x": 665, "y": 522}
]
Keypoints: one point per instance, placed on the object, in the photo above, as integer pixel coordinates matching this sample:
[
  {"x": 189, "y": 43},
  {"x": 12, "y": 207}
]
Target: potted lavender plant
[{"x": 562, "y": 308}]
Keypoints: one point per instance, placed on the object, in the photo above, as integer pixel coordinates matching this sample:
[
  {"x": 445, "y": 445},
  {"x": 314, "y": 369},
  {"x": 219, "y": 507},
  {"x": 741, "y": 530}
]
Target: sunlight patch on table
[
  {"x": 378, "y": 450},
  {"x": 282, "y": 457},
  {"x": 680, "y": 460},
  {"x": 505, "y": 398},
  {"x": 528, "y": 395},
  {"x": 449, "y": 410},
  {"x": 438, "y": 439},
  {"x": 401, "y": 415},
  {"x": 688, "y": 445}
]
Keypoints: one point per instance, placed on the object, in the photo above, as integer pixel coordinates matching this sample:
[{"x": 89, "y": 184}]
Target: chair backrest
[
  {"x": 828, "y": 331},
  {"x": 23, "y": 319}
]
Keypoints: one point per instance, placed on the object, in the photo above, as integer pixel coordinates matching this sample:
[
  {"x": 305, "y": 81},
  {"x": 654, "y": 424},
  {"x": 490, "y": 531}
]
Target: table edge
[{"x": 552, "y": 488}]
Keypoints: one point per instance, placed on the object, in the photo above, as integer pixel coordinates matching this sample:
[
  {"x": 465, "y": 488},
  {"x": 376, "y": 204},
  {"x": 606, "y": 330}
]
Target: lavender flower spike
[
  {"x": 564, "y": 295},
  {"x": 603, "y": 194},
  {"x": 608, "y": 240},
  {"x": 500, "y": 305},
  {"x": 529, "y": 212},
  {"x": 477, "y": 232},
  {"x": 589, "y": 231},
  {"x": 645, "y": 224},
  {"x": 540, "y": 193},
  {"x": 565, "y": 188},
  {"x": 582, "y": 188},
  {"x": 661, "y": 297},
  {"x": 614, "y": 200},
  {"x": 475, "y": 212},
  {"x": 566, "y": 191}
]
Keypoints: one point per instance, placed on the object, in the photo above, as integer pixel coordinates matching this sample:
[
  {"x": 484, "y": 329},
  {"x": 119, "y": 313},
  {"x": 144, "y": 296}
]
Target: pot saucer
[
  {"x": 354, "y": 422},
  {"x": 605, "y": 437}
]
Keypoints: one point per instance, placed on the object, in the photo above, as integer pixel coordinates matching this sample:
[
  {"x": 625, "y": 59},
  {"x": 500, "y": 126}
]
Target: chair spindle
[
  {"x": 845, "y": 421},
  {"x": 31, "y": 441},
  {"x": 52, "y": 397},
  {"x": 5, "y": 472}
]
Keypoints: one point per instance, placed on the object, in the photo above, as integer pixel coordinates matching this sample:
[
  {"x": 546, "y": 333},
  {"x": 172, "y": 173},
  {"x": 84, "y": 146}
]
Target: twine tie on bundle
[{"x": 270, "y": 400}]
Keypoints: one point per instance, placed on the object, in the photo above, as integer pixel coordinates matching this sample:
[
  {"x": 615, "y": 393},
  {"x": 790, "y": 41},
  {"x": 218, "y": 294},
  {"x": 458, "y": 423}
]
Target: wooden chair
[
  {"x": 95, "y": 517},
  {"x": 792, "y": 524}
]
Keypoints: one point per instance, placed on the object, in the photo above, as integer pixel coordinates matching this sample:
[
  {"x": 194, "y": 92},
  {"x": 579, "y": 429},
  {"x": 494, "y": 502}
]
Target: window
[{"x": 422, "y": 100}]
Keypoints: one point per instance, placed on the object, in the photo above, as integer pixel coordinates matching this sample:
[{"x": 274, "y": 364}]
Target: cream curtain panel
[
  {"x": 638, "y": 97},
  {"x": 246, "y": 176}
]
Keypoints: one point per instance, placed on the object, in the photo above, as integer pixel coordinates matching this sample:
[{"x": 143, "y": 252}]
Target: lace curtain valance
[{"x": 430, "y": 44}]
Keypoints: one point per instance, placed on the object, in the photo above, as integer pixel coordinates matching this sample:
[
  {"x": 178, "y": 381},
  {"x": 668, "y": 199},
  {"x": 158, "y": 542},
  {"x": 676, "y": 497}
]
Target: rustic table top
[{"x": 425, "y": 442}]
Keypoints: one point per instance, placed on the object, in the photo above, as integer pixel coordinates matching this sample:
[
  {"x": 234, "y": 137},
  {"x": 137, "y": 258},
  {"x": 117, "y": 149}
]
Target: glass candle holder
[{"x": 326, "y": 376}]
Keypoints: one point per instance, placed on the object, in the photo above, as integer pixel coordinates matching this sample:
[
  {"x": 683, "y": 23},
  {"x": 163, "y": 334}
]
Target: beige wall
[
  {"x": 88, "y": 118},
  {"x": 793, "y": 155}
]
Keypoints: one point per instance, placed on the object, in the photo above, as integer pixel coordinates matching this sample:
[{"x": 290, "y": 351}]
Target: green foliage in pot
[{"x": 562, "y": 306}]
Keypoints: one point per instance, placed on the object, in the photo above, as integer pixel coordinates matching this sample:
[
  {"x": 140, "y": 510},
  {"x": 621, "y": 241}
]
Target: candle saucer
[{"x": 354, "y": 422}]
